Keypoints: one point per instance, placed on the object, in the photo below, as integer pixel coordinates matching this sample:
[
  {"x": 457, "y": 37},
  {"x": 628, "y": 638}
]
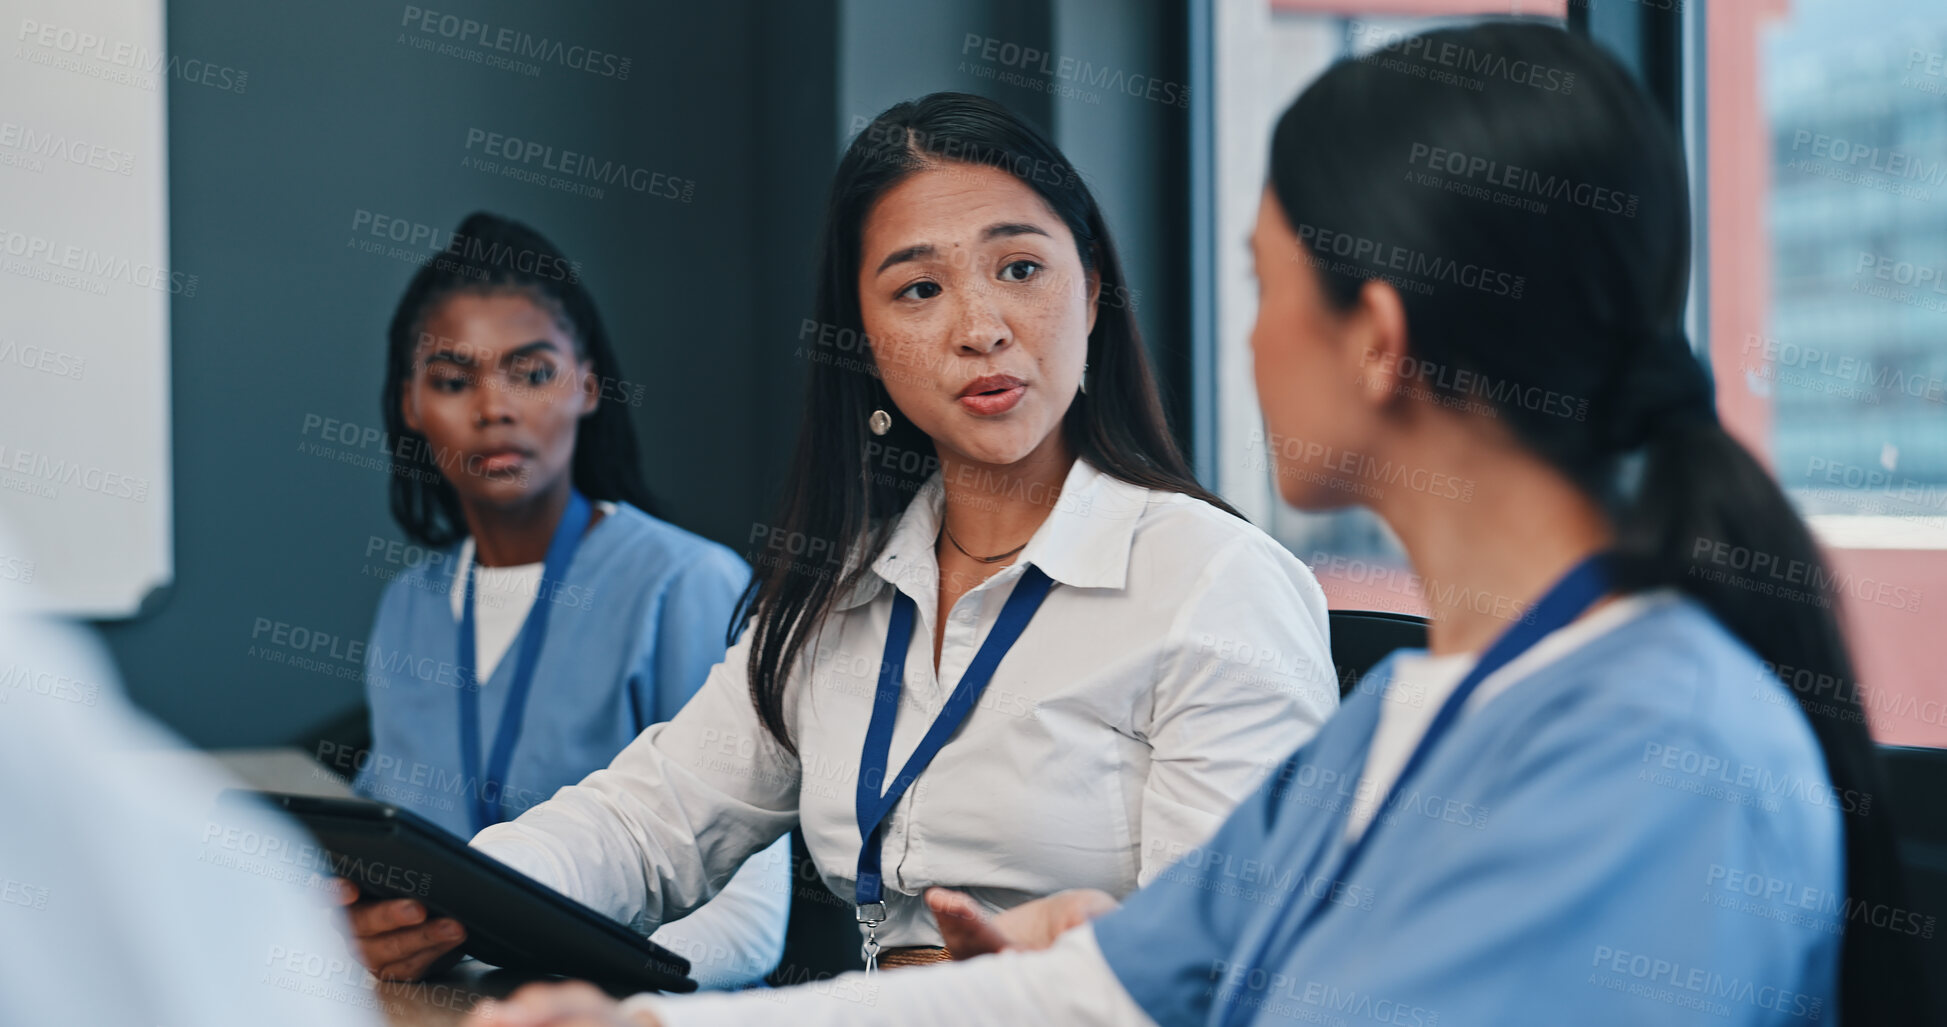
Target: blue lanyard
[
  {"x": 872, "y": 806},
  {"x": 1568, "y": 599},
  {"x": 561, "y": 553}
]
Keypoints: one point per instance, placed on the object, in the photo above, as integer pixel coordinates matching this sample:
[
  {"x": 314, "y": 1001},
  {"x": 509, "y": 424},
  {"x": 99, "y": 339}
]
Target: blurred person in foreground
[{"x": 127, "y": 894}]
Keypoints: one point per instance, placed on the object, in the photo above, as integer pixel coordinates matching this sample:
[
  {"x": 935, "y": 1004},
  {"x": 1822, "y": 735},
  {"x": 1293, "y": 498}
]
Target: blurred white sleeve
[{"x": 1068, "y": 983}]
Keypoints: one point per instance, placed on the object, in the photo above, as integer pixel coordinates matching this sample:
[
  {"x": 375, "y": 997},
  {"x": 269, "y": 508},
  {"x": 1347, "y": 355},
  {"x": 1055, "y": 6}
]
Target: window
[
  {"x": 1828, "y": 243},
  {"x": 1266, "y": 55},
  {"x": 1817, "y": 134}
]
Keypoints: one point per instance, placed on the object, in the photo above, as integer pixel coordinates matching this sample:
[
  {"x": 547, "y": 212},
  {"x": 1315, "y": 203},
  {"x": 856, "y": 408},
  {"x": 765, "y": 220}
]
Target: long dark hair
[
  {"x": 845, "y": 484},
  {"x": 492, "y": 254},
  {"x": 1560, "y": 192}
]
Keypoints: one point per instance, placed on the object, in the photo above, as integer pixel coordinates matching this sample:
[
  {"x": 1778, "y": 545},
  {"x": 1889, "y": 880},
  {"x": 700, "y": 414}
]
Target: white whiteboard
[{"x": 85, "y": 290}]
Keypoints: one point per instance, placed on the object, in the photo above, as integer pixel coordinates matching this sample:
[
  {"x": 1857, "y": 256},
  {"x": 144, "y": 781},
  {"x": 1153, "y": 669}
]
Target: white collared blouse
[{"x": 1180, "y": 656}]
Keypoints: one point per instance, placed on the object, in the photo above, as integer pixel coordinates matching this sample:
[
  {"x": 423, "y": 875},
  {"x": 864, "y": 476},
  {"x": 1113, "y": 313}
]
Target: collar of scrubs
[
  {"x": 522, "y": 580},
  {"x": 1561, "y": 605},
  {"x": 1084, "y": 543},
  {"x": 448, "y": 576}
]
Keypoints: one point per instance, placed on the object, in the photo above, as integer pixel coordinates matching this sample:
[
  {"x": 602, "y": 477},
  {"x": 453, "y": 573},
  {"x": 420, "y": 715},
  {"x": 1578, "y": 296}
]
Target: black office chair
[
  {"x": 1916, "y": 778},
  {"x": 821, "y": 938},
  {"x": 1361, "y": 638}
]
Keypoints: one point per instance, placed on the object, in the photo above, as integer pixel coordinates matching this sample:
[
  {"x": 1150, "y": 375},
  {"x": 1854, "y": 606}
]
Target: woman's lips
[
  {"x": 987, "y": 404},
  {"x": 501, "y": 461},
  {"x": 991, "y": 394}
]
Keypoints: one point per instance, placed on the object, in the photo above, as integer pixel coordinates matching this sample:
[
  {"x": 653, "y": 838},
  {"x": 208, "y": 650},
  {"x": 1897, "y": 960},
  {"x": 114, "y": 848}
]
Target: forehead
[
  {"x": 949, "y": 203},
  {"x": 1270, "y": 217},
  {"x": 484, "y": 324},
  {"x": 1275, "y": 248}
]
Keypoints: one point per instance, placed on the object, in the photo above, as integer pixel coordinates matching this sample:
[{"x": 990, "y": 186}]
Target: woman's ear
[
  {"x": 1094, "y": 298},
  {"x": 1378, "y": 342},
  {"x": 591, "y": 389},
  {"x": 409, "y": 406}
]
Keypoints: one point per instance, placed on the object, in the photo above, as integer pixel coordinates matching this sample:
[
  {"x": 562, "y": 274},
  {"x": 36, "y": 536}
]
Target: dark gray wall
[
  {"x": 1126, "y": 125},
  {"x": 748, "y": 99},
  {"x": 1132, "y": 150},
  {"x": 342, "y": 114}
]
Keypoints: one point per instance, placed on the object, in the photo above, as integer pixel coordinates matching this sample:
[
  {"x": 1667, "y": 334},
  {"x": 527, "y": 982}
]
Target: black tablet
[{"x": 512, "y": 921}]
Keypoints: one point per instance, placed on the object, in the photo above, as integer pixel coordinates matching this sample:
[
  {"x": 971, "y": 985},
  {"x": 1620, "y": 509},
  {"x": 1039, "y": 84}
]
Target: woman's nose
[
  {"x": 492, "y": 402},
  {"x": 982, "y": 328}
]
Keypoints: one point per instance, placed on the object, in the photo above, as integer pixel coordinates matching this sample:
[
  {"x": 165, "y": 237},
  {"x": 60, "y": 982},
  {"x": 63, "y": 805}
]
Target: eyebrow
[
  {"x": 902, "y": 256},
  {"x": 447, "y": 356},
  {"x": 465, "y": 360},
  {"x": 532, "y": 347},
  {"x": 1008, "y": 229},
  {"x": 998, "y": 230}
]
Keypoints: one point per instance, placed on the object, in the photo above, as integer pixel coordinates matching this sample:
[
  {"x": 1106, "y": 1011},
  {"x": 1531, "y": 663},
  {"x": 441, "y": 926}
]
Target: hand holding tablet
[
  {"x": 419, "y": 898},
  {"x": 394, "y": 938}
]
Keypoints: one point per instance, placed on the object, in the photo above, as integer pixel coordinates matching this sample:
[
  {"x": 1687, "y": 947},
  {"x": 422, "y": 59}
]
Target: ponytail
[{"x": 1700, "y": 496}]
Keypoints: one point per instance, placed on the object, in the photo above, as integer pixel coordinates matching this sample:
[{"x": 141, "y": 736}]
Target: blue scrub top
[
  {"x": 639, "y": 620},
  {"x": 1642, "y": 831}
]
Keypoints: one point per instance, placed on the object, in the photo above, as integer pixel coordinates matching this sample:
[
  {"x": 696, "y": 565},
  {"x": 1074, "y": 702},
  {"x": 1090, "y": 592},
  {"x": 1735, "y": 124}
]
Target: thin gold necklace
[{"x": 982, "y": 559}]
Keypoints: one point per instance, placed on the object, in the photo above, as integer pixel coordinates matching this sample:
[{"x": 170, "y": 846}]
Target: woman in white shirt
[{"x": 983, "y": 455}]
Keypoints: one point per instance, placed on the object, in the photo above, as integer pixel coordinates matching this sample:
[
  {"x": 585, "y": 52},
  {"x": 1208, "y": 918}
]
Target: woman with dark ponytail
[{"x": 1594, "y": 800}]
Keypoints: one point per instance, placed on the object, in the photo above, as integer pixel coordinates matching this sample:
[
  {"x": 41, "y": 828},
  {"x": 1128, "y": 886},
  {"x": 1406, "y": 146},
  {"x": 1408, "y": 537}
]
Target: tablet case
[{"x": 512, "y": 921}]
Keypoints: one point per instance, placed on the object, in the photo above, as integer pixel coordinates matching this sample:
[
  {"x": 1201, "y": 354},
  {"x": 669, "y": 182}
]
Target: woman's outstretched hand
[{"x": 969, "y": 931}]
